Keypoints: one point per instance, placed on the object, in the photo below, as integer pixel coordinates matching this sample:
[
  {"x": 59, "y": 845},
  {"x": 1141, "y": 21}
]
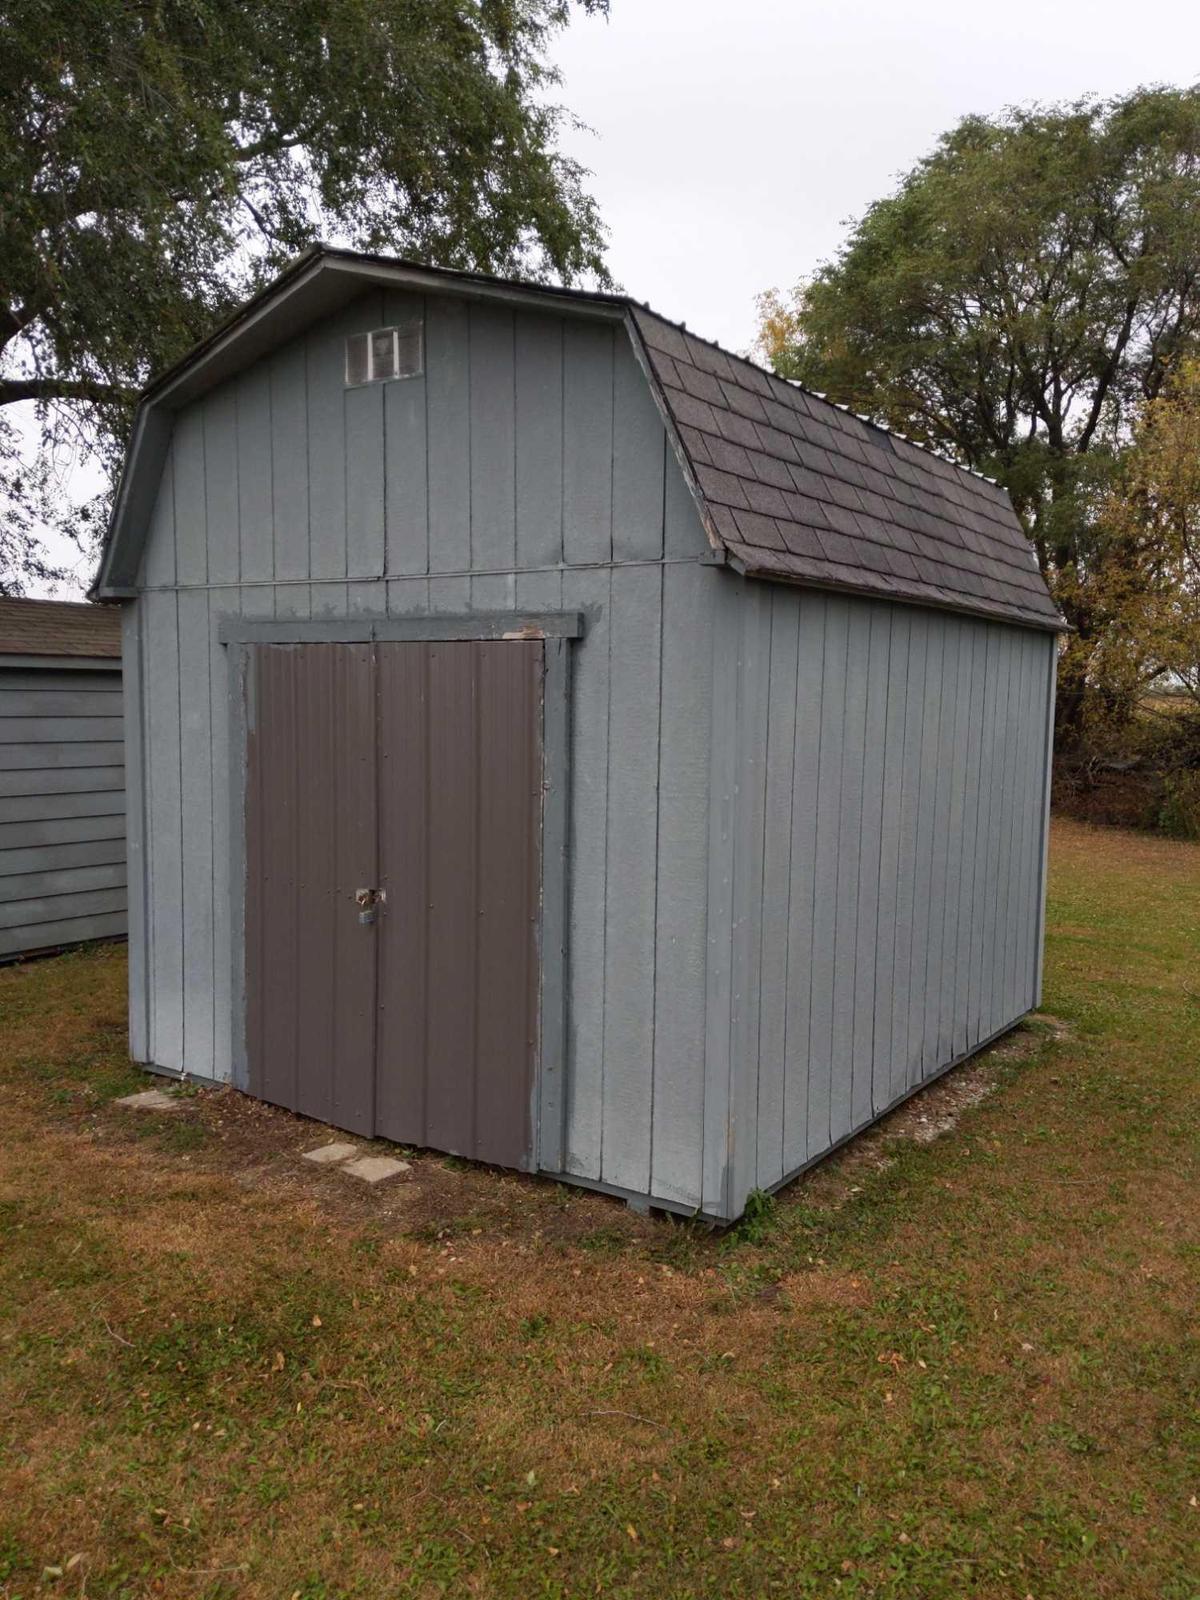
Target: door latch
[{"x": 368, "y": 902}]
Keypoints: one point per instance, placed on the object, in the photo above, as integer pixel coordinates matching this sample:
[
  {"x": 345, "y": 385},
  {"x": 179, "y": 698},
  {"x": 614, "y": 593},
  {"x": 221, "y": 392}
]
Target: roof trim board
[{"x": 789, "y": 486}]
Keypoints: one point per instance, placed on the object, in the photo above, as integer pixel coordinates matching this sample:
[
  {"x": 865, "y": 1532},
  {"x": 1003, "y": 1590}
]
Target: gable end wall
[{"x": 526, "y": 470}]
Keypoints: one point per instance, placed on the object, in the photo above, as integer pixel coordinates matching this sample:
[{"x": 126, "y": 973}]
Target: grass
[{"x": 973, "y": 1370}]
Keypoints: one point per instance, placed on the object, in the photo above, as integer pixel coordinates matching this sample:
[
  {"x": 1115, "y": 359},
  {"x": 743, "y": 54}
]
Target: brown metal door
[
  {"x": 311, "y": 843},
  {"x": 460, "y": 805},
  {"x": 414, "y": 770}
]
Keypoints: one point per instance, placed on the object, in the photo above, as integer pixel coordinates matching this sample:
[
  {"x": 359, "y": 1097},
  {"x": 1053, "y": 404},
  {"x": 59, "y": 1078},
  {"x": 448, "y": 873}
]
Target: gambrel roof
[
  {"x": 789, "y": 486},
  {"x": 801, "y": 489}
]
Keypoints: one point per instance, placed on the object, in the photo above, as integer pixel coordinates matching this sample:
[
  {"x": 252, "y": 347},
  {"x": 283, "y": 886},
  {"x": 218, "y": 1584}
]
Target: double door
[{"x": 393, "y": 882}]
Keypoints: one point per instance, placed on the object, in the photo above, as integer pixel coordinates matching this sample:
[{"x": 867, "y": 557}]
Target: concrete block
[
  {"x": 376, "y": 1169},
  {"x": 325, "y": 1154},
  {"x": 149, "y": 1100}
]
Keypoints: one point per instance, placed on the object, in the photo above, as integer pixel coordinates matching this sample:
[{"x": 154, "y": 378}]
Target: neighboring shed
[
  {"x": 62, "y": 776},
  {"x": 560, "y": 742}
]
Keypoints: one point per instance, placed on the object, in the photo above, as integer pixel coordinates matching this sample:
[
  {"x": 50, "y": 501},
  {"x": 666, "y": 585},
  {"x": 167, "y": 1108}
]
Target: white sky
[{"x": 731, "y": 143}]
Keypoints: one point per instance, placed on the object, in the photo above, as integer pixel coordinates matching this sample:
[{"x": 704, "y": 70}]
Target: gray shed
[
  {"x": 556, "y": 740},
  {"x": 62, "y": 776}
]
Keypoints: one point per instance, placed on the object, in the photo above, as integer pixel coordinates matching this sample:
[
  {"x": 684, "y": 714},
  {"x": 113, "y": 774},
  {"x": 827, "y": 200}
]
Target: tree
[
  {"x": 160, "y": 158},
  {"x": 1013, "y": 304},
  {"x": 1149, "y": 583}
]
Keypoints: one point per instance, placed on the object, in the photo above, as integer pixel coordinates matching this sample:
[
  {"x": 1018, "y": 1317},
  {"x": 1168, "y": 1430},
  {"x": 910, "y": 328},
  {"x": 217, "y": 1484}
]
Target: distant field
[{"x": 966, "y": 1366}]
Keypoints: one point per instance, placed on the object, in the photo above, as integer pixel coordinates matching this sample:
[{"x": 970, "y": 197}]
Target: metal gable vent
[{"x": 384, "y": 354}]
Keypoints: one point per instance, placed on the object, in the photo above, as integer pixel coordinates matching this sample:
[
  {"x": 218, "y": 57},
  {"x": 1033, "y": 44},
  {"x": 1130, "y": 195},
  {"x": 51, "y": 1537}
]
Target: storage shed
[
  {"x": 558, "y": 741},
  {"x": 62, "y": 776}
]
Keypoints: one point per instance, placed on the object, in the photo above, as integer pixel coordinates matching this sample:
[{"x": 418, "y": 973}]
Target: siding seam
[
  {"x": 657, "y": 883},
  {"x": 883, "y": 772},
  {"x": 813, "y": 909},
  {"x": 179, "y": 755},
  {"x": 787, "y": 927},
  {"x": 415, "y": 577},
  {"x": 604, "y": 870},
  {"x": 762, "y": 878}
]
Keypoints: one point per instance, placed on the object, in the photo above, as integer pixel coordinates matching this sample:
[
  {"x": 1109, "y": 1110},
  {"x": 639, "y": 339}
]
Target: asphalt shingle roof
[
  {"x": 800, "y": 489},
  {"x": 58, "y": 628}
]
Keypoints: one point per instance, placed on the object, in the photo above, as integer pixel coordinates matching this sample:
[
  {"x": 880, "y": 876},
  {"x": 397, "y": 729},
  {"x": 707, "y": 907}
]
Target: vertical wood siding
[
  {"x": 887, "y": 860},
  {"x": 62, "y": 807},
  {"x": 806, "y": 831},
  {"x": 526, "y": 469}
]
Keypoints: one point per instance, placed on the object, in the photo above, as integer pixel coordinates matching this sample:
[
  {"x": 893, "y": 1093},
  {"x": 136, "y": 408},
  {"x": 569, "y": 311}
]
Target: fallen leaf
[{"x": 631, "y": 1531}]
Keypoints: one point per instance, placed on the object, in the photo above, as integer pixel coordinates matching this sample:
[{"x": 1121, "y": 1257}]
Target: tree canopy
[
  {"x": 1149, "y": 521},
  {"x": 160, "y": 158},
  {"x": 1027, "y": 289}
]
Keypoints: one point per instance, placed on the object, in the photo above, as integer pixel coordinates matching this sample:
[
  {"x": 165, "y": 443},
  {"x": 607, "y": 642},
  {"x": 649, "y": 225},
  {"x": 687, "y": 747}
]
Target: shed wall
[
  {"x": 526, "y": 470},
  {"x": 885, "y": 861},
  {"x": 62, "y": 805}
]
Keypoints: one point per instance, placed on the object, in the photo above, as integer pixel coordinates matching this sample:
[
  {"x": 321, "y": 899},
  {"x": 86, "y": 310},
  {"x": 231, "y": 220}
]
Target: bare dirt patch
[
  {"x": 264, "y": 1146},
  {"x": 931, "y": 1113}
]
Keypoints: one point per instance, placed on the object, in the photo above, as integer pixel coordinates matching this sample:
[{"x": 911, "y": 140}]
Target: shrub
[{"x": 1179, "y": 813}]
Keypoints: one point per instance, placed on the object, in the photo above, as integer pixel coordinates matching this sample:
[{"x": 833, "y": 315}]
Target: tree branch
[
  {"x": 270, "y": 147},
  {"x": 13, "y": 390},
  {"x": 1105, "y": 381},
  {"x": 15, "y": 319}
]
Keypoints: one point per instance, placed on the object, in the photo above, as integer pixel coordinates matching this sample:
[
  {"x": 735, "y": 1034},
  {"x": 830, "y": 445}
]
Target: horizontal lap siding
[
  {"x": 62, "y": 808},
  {"x": 901, "y": 809},
  {"x": 526, "y": 469}
]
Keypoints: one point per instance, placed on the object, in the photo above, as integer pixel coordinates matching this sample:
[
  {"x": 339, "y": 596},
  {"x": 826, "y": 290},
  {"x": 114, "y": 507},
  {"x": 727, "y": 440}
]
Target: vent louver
[{"x": 383, "y": 354}]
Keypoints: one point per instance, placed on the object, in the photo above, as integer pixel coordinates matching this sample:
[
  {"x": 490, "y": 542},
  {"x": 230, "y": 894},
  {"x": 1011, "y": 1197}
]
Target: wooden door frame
[{"x": 554, "y": 630}]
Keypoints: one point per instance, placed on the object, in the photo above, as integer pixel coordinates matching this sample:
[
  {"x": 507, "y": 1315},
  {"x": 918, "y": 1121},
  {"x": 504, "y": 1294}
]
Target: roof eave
[{"x": 964, "y": 608}]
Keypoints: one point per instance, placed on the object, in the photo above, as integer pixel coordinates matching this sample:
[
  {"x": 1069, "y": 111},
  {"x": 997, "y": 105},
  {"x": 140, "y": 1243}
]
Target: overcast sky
[{"x": 730, "y": 143}]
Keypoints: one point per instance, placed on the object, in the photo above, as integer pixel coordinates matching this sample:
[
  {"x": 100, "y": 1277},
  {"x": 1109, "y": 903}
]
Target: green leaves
[
  {"x": 1026, "y": 285},
  {"x": 160, "y": 158},
  {"x": 1023, "y": 293}
]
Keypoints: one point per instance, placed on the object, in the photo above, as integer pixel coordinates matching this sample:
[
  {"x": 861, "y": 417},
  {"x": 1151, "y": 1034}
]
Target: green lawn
[{"x": 972, "y": 1369}]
